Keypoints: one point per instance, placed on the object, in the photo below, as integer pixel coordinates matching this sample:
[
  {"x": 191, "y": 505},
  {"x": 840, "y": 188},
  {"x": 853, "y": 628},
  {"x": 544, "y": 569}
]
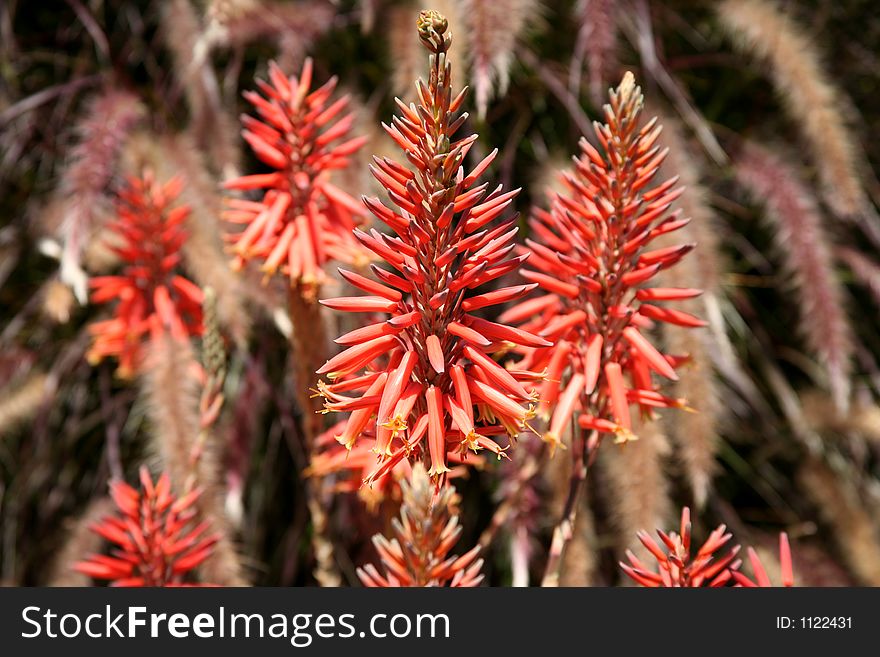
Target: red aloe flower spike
[
  {"x": 152, "y": 297},
  {"x": 302, "y": 220},
  {"x": 760, "y": 573},
  {"x": 677, "y": 567},
  {"x": 423, "y": 536},
  {"x": 157, "y": 540},
  {"x": 594, "y": 259},
  {"x": 301, "y": 223},
  {"x": 442, "y": 391}
]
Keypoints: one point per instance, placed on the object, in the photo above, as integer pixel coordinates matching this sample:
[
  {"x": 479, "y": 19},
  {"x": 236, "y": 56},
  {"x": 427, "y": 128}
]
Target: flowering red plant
[
  {"x": 302, "y": 220},
  {"x": 591, "y": 258},
  {"x": 158, "y": 542},
  {"x": 152, "y": 296},
  {"x": 433, "y": 381},
  {"x": 425, "y": 533},
  {"x": 676, "y": 566}
]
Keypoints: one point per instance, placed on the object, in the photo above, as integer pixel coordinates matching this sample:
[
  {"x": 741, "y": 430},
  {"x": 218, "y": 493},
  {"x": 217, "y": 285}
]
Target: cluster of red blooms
[
  {"x": 355, "y": 464},
  {"x": 152, "y": 297},
  {"x": 591, "y": 259},
  {"x": 425, "y": 533},
  {"x": 429, "y": 377},
  {"x": 158, "y": 542},
  {"x": 302, "y": 220},
  {"x": 678, "y": 568}
]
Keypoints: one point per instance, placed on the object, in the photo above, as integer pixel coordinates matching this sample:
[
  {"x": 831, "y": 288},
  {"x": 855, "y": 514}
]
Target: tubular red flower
[
  {"x": 158, "y": 542},
  {"x": 302, "y": 220},
  {"x": 595, "y": 266},
  {"x": 444, "y": 248},
  {"x": 152, "y": 296}
]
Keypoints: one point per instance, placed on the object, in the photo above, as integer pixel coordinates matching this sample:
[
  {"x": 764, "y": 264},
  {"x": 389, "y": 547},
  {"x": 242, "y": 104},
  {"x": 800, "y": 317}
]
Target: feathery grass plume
[
  {"x": 862, "y": 417},
  {"x": 101, "y": 131},
  {"x": 842, "y": 509},
  {"x": 170, "y": 380},
  {"x": 595, "y": 46},
  {"x": 429, "y": 384},
  {"x": 593, "y": 263},
  {"x": 423, "y": 536},
  {"x": 695, "y": 434},
  {"x": 761, "y": 578},
  {"x": 865, "y": 271},
  {"x": 171, "y": 383},
  {"x": 212, "y": 126},
  {"x": 761, "y": 29},
  {"x": 153, "y": 297},
  {"x": 707, "y": 263},
  {"x": 219, "y": 14},
  {"x": 80, "y": 540},
  {"x": 677, "y": 567},
  {"x": 407, "y": 56},
  {"x": 158, "y": 541},
  {"x": 292, "y": 26},
  {"x": 635, "y": 483},
  {"x": 806, "y": 250},
  {"x": 368, "y": 14},
  {"x": 493, "y": 31},
  {"x": 20, "y": 402}
]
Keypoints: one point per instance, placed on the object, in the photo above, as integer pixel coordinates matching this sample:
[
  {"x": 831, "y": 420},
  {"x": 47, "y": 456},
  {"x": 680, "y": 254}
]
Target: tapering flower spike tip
[
  {"x": 152, "y": 297},
  {"x": 423, "y": 537},
  {"x": 423, "y": 382},
  {"x": 302, "y": 220},
  {"x": 157, "y": 541},
  {"x": 592, "y": 256}
]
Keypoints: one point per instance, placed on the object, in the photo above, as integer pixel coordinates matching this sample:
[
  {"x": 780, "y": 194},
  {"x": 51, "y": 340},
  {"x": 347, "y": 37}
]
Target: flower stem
[{"x": 582, "y": 457}]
